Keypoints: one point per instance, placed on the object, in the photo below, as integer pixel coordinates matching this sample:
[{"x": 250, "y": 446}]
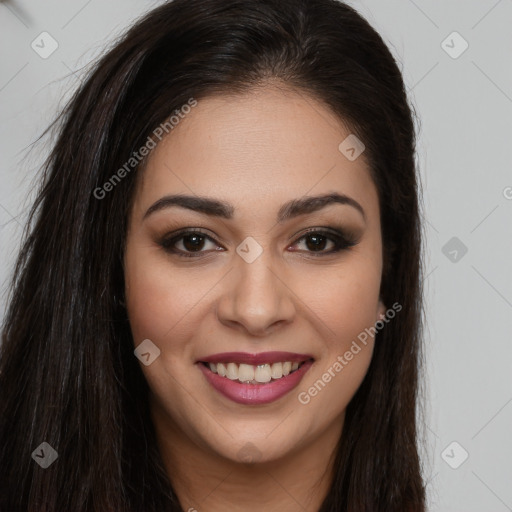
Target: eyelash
[{"x": 342, "y": 241}]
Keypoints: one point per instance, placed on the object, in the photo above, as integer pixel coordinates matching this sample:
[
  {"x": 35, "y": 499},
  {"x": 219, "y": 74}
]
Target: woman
[{"x": 218, "y": 305}]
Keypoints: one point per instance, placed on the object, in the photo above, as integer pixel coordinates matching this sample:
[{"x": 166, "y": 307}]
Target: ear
[{"x": 381, "y": 310}]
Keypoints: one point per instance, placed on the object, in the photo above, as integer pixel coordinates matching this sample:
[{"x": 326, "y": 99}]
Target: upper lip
[{"x": 255, "y": 359}]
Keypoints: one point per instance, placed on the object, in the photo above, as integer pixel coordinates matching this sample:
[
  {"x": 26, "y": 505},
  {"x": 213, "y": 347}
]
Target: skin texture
[{"x": 256, "y": 151}]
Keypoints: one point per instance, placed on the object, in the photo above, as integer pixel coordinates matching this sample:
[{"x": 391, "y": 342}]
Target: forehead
[{"x": 269, "y": 144}]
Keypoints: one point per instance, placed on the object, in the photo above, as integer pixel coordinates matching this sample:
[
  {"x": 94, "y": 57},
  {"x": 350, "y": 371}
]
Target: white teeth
[
  {"x": 253, "y": 374},
  {"x": 262, "y": 373},
  {"x": 221, "y": 370},
  {"x": 232, "y": 371},
  {"x": 277, "y": 370},
  {"x": 245, "y": 372}
]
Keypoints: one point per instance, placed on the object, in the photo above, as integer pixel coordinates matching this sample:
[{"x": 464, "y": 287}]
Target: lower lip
[{"x": 255, "y": 394}]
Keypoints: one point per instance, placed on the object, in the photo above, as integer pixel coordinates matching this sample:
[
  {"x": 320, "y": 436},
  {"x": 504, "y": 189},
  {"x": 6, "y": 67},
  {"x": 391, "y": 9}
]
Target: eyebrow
[{"x": 289, "y": 210}]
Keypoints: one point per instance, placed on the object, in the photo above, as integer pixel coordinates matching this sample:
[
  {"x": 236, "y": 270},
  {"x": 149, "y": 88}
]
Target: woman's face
[{"x": 261, "y": 279}]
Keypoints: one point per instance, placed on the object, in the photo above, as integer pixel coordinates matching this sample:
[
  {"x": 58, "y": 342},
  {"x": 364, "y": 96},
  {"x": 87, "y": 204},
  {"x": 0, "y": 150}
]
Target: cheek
[
  {"x": 346, "y": 306},
  {"x": 158, "y": 298},
  {"x": 345, "y": 300},
  {"x": 350, "y": 307},
  {"x": 327, "y": 391},
  {"x": 160, "y": 305}
]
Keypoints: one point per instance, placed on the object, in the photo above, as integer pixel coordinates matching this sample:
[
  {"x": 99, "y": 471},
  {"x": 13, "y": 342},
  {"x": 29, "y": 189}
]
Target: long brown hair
[{"x": 68, "y": 375}]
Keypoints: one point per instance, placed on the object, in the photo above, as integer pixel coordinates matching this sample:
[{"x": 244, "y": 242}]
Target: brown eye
[
  {"x": 317, "y": 240},
  {"x": 186, "y": 243},
  {"x": 193, "y": 242}
]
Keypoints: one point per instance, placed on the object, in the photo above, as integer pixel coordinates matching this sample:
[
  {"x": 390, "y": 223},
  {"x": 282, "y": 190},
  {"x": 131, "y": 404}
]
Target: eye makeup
[{"x": 193, "y": 240}]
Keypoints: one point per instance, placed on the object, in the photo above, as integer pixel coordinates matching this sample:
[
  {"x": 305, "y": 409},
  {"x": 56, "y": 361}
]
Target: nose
[{"x": 257, "y": 299}]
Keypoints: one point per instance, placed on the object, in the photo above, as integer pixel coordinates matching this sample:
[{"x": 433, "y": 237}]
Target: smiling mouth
[{"x": 254, "y": 374}]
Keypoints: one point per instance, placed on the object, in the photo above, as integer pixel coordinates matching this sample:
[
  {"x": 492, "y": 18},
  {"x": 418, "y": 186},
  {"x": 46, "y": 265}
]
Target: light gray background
[{"x": 465, "y": 137}]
